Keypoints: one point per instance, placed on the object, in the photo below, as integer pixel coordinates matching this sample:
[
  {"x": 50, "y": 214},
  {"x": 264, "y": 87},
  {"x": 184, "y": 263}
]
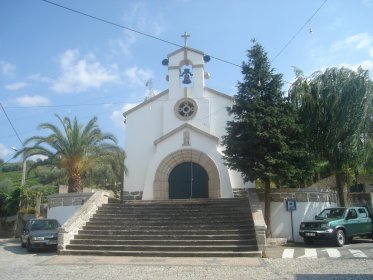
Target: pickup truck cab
[{"x": 338, "y": 225}]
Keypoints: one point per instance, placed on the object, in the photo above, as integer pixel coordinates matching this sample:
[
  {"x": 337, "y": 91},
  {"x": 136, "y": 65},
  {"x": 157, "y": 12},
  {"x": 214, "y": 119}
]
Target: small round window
[{"x": 186, "y": 109}]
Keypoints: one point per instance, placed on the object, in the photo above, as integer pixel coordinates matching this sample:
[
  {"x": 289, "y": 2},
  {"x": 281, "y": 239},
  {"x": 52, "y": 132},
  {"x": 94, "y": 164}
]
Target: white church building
[{"x": 173, "y": 139}]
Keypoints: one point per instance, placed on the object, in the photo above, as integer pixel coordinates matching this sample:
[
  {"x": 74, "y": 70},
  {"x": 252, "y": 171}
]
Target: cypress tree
[{"x": 263, "y": 139}]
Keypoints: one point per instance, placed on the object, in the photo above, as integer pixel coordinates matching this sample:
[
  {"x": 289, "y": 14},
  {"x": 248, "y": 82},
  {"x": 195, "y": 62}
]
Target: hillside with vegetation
[{"x": 43, "y": 179}]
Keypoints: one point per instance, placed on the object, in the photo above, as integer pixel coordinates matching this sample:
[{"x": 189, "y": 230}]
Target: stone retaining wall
[
  {"x": 136, "y": 195},
  {"x": 256, "y": 210},
  {"x": 301, "y": 195},
  {"x": 68, "y": 199}
]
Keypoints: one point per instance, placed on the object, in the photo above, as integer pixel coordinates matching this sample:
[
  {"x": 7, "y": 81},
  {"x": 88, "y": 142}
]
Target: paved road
[
  {"x": 16, "y": 263},
  {"x": 359, "y": 248}
]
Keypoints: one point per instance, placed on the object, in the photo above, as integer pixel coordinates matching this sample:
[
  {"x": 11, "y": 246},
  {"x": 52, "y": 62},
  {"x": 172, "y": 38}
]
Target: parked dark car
[
  {"x": 40, "y": 233},
  {"x": 338, "y": 225}
]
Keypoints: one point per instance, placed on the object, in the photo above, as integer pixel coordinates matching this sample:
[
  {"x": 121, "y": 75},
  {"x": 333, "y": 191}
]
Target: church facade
[{"x": 173, "y": 139}]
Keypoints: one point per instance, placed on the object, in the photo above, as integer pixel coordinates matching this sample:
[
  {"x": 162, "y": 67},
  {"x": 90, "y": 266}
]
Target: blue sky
[{"x": 55, "y": 61}]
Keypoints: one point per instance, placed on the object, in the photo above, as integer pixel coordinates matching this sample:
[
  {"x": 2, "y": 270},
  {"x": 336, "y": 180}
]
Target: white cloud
[
  {"x": 354, "y": 42},
  {"x": 352, "y": 52},
  {"x": 39, "y": 78},
  {"x": 145, "y": 20},
  {"x": 117, "y": 116},
  {"x": 368, "y": 3},
  {"x": 366, "y": 65},
  {"x": 32, "y": 101},
  {"x": 36, "y": 157},
  {"x": 4, "y": 151},
  {"x": 81, "y": 74},
  {"x": 7, "y": 69},
  {"x": 138, "y": 17},
  {"x": 122, "y": 47},
  {"x": 16, "y": 86},
  {"x": 137, "y": 76}
]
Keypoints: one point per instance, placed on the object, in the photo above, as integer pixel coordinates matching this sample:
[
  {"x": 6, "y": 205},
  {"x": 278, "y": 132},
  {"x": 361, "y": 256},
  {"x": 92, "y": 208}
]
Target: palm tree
[{"x": 75, "y": 147}]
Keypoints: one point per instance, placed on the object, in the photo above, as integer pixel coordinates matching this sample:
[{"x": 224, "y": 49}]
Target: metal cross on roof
[{"x": 185, "y": 36}]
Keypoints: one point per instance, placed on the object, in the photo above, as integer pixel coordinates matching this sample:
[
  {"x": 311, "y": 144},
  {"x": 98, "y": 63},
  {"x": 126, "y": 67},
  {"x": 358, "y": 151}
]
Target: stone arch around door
[{"x": 161, "y": 187}]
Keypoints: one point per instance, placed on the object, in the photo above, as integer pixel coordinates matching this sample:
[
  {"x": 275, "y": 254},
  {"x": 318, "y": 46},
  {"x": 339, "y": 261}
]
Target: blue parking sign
[{"x": 291, "y": 204}]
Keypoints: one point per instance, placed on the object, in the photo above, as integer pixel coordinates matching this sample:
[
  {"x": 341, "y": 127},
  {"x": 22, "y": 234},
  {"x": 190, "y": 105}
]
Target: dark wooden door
[{"x": 188, "y": 180}]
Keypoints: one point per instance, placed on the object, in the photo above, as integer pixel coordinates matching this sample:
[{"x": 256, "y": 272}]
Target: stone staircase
[{"x": 169, "y": 228}]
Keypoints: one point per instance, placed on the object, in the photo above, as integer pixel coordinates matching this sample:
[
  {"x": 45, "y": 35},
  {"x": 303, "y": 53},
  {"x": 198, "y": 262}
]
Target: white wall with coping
[
  {"x": 79, "y": 219},
  {"x": 62, "y": 206},
  {"x": 281, "y": 218},
  {"x": 62, "y": 213}
]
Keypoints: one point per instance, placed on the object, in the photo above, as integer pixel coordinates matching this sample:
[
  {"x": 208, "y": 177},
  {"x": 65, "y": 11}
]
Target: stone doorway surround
[{"x": 161, "y": 186}]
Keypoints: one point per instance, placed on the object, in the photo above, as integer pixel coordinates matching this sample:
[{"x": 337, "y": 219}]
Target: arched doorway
[
  {"x": 188, "y": 180},
  {"x": 161, "y": 179}
]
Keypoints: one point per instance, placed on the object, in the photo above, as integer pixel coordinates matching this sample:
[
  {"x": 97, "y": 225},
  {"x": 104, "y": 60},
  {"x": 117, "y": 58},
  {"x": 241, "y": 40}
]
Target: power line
[
  {"x": 297, "y": 33},
  {"x": 65, "y": 105},
  {"x": 130, "y": 29},
  {"x": 111, "y": 23},
  {"x": 11, "y": 124},
  {"x": 87, "y": 104},
  {"x": 178, "y": 45}
]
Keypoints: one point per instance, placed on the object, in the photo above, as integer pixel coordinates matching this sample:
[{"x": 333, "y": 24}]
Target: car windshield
[
  {"x": 44, "y": 224},
  {"x": 335, "y": 213}
]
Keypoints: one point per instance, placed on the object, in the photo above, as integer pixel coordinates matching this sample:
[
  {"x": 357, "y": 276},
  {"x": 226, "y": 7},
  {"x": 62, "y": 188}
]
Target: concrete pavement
[{"x": 17, "y": 264}]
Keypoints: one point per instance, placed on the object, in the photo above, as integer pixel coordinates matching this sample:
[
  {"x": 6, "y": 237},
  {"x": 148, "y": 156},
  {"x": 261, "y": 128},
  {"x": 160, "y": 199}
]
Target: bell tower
[{"x": 186, "y": 74}]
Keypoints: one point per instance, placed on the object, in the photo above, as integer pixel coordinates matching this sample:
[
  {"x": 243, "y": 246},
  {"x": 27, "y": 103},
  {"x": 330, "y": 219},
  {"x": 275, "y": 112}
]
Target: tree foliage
[
  {"x": 74, "y": 146},
  {"x": 264, "y": 139},
  {"x": 108, "y": 173},
  {"x": 335, "y": 108}
]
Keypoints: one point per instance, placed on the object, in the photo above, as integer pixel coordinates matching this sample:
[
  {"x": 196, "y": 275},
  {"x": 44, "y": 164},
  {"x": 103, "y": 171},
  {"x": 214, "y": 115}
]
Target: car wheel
[
  {"x": 340, "y": 238},
  {"x": 308, "y": 241},
  {"x": 29, "y": 247},
  {"x": 23, "y": 244}
]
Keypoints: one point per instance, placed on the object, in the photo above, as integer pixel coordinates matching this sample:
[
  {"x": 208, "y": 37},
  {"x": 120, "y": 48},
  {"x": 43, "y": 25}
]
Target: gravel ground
[{"x": 16, "y": 263}]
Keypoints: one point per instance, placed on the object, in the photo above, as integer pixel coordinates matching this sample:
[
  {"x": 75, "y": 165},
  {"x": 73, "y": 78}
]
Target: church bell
[
  {"x": 186, "y": 74},
  {"x": 186, "y": 79}
]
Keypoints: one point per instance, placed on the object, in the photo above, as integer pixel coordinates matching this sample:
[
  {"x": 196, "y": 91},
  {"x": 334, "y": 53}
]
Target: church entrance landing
[
  {"x": 188, "y": 180},
  {"x": 186, "y": 174}
]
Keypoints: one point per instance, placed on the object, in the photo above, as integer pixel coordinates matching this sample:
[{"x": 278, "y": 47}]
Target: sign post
[{"x": 291, "y": 205}]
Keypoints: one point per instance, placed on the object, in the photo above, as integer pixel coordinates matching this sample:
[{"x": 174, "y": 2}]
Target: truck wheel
[
  {"x": 29, "y": 246},
  {"x": 308, "y": 241},
  {"x": 340, "y": 238}
]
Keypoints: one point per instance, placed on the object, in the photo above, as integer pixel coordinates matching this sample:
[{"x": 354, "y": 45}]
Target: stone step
[
  {"x": 178, "y": 204},
  {"x": 146, "y": 209},
  {"x": 164, "y": 237},
  {"x": 216, "y": 248},
  {"x": 170, "y": 227},
  {"x": 184, "y": 243},
  {"x": 181, "y": 204},
  {"x": 155, "y": 222},
  {"x": 194, "y": 201},
  {"x": 175, "y": 232},
  {"x": 141, "y": 218},
  {"x": 202, "y": 227},
  {"x": 170, "y": 210},
  {"x": 195, "y": 254}
]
